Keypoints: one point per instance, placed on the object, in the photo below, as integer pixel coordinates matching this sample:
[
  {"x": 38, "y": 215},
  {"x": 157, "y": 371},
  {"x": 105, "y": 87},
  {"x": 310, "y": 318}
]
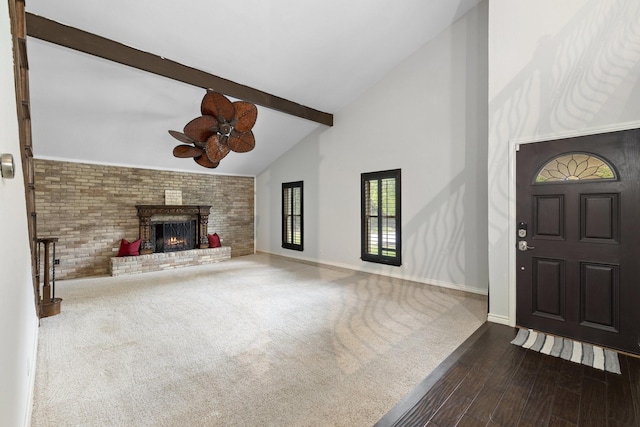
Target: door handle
[{"x": 523, "y": 246}]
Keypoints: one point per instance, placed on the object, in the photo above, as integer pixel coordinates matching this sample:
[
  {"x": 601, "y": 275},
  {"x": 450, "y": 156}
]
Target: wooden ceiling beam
[{"x": 92, "y": 44}]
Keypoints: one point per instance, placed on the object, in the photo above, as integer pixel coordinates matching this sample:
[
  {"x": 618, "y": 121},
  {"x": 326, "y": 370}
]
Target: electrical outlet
[{"x": 56, "y": 262}]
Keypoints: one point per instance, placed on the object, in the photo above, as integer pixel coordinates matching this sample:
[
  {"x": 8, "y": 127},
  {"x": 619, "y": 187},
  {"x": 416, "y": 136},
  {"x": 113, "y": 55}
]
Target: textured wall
[
  {"x": 91, "y": 207},
  {"x": 18, "y": 319},
  {"x": 557, "y": 70},
  {"x": 437, "y": 102}
]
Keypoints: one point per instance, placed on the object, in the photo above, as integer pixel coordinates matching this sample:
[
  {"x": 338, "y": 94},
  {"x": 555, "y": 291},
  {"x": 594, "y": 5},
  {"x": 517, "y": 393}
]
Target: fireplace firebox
[
  {"x": 152, "y": 215},
  {"x": 173, "y": 236}
]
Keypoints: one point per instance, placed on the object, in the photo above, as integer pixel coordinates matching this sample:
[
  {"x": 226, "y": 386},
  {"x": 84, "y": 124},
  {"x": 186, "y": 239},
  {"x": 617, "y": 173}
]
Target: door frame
[{"x": 514, "y": 147}]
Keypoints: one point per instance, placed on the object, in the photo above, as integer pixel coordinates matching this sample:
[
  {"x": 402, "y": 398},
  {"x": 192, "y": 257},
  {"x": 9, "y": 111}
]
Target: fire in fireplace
[{"x": 173, "y": 236}]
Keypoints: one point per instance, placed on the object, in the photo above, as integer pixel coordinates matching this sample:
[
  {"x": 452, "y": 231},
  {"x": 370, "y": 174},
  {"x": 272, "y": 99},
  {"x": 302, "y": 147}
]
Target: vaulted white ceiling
[{"x": 321, "y": 54}]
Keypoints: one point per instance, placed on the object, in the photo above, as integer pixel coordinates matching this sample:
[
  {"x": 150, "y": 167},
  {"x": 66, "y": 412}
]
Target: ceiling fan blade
[
  {"x": 246, "y": 115},
  {"x": 185, "y": 151},
  {"x": 181, "y": 137},
  {"x": 217, "y": 105},
  {"x": 204, "y": 161},
  {"x": 199, "y": 128},
  {"x": 216, "y": 150},
  {"x": 243, "y": 142}
]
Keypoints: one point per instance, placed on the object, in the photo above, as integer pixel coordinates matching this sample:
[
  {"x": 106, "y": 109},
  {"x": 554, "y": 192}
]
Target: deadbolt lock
[{"x": 522, "y": 229}]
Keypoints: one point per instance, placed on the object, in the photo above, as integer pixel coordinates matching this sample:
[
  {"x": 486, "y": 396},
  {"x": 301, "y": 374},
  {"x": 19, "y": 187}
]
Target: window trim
[
  {"x": 287, "y": 216},
  {"x": 364, "y": 254}
]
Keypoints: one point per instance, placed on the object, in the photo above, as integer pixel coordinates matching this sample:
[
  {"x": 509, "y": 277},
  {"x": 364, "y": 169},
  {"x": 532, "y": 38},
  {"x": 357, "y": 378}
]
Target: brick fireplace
[
  {"x": 91, "y": 207},
  {"x": 172, "y": 236}
]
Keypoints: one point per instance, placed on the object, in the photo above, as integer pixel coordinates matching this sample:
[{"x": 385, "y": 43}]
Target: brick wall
[{"x": 91, "y": 207}]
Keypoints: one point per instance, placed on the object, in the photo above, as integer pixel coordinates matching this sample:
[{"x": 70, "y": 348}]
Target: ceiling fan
[{"x": 224, "y": 126}]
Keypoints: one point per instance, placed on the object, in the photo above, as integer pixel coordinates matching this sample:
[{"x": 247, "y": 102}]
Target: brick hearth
[{"x": 168, "y": 260}]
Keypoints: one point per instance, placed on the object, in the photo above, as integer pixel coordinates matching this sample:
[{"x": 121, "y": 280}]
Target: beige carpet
[{"x": 256, "y": 340}]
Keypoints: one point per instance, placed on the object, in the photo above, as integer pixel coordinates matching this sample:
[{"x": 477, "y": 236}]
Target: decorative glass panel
[{"x": 575, "y": 167}]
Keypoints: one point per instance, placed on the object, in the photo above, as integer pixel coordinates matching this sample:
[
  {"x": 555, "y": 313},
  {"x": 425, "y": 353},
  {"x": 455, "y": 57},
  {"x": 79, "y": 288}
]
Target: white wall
[
  {"x": 427, "y": 117},
  {"x": 556, "y": 68},
  {"x": 18, "y": 321}
]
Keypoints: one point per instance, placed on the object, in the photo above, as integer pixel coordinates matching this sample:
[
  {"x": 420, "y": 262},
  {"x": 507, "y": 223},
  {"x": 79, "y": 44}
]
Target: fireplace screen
[{"x": 174, "y": 236}]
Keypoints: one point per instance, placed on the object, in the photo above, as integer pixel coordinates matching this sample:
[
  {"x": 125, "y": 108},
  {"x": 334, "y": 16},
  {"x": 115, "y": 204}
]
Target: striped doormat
[{"x": 587, "y": 354}]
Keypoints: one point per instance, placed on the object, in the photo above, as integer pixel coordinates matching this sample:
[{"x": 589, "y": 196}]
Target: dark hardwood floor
[{"x": 489, "y": 382}]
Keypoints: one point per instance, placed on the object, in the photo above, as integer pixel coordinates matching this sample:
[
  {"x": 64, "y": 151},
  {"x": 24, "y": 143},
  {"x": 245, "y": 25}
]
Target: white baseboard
[
  {"x": 502, "y": 320},
  {"x": 439, "y": 283}
]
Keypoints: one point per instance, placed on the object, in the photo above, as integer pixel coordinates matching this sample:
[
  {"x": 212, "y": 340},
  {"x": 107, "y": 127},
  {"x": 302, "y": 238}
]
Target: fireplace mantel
[{"x": 145, "y": 212}]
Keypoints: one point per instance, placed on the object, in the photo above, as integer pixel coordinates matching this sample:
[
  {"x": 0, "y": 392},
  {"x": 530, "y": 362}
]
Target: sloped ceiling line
[{"x": 74, "y": 38}]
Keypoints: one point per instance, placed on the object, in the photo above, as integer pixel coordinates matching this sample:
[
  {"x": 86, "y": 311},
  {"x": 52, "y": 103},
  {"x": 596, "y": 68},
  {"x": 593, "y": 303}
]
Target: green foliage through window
[
  {"x": 380, "y": 234},
  {"x": 292, "y": 218}
]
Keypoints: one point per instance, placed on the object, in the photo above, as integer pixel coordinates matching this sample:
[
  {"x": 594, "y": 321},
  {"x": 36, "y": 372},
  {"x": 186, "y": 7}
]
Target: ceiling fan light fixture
[{"x": 224, "y": 126}]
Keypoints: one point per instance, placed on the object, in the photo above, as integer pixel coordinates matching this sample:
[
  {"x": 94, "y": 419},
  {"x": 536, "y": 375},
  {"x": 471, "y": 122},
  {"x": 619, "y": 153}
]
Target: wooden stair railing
[{"x": 17, "y": 15}]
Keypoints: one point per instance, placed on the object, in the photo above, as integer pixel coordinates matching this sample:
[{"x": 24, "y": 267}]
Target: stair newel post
[{"x": 49, "y": 305}]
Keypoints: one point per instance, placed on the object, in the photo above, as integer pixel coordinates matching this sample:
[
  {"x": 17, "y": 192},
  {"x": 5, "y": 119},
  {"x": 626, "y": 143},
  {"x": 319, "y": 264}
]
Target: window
[
  {"x": 380, "y": 234},
  {"x": 575, "y": 167},
  {"x": 292, "y": 215}
]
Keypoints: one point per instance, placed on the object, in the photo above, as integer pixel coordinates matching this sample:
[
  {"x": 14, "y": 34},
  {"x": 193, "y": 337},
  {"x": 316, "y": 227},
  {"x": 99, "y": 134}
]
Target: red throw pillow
[
  {"x": 214, "y": 240},
  {"x": 129, "y": 249}
]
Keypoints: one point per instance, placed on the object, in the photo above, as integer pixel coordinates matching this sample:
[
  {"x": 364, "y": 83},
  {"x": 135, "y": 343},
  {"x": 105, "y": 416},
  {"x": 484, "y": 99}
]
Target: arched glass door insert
[{"x": 575, "y": 167}]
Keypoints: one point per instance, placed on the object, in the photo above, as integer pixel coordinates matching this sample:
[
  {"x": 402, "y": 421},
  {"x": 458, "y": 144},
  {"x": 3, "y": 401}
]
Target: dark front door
[{"x": 578, "y": 243}]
